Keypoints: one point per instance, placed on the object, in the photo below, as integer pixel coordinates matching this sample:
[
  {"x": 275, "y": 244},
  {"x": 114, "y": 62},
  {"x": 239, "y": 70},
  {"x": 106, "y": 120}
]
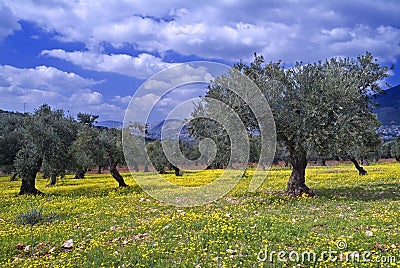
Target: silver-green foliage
[{"x": 322, "y": 109}]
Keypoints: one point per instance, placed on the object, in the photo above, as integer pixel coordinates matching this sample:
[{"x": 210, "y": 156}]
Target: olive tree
[
  {"x": 47, "y": 135},
  {"x": 111, "y": 144},
  {"x": 134, "y": 139},
  {"x": 97, "y": 146},
  {"x": 11, "y": 135},
  {"x": 395, "y": 148},
  {"x": 158, "y": 159},
  {"x": 201, "y": 127},
  {"x": 321, "y": 109},
  {"x": 86, "y": 152}
]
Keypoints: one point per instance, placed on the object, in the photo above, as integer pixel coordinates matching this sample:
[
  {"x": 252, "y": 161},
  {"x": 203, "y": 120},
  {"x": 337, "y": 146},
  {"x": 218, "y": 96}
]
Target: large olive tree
[
  {"x": 46, "y": 137},
  {"x": 321, "y": 109}
]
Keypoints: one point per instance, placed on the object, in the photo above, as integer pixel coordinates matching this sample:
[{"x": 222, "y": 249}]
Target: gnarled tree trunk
[
  {"x": 28, "y": 185},
  {"x": 116, "y": 175},
  {"x": 320, "y": 162},
  {"x": 297, "y": 182},
  {"x": 53, "y": 180},
  {"x": 176, "y": 169},
  {"x": 135, "y": 167},
  {"x": 14, "y": 176},
  {"x": 360, "y": 169},
  {"x": 28, "y": 175},
  {"x": 80, "y": 174}
]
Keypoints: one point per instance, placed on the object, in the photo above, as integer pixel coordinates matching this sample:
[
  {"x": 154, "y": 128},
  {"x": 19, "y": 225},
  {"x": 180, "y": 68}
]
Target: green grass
[{"x": 125, "y": 227}]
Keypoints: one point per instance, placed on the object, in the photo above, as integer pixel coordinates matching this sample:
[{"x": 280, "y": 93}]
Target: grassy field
[{"x": 112, "y": 227}]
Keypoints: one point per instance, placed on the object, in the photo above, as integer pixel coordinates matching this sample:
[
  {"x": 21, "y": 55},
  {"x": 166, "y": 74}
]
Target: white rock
[
  {"x": 68, "y": 244},
  {"x": 369, "y": 233}
]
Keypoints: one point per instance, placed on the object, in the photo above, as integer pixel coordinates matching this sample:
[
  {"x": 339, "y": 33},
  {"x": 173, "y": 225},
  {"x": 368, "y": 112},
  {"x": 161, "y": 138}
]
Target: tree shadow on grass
[
  {"x": 94, "y": 191},
  {"x": 366, "y": 192}
]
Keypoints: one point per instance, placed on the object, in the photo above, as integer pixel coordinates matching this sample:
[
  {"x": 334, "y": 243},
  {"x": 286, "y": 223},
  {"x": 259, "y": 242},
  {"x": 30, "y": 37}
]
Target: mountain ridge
[{"x": 388, "y": 110}]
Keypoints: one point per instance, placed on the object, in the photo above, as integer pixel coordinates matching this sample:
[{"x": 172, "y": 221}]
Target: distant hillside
[
  {"x": 4, "y": 113},
  {"x": 109, "y": 124},
  {"x": 170, "y": 128},
  {"x": 389, "y": 110}
]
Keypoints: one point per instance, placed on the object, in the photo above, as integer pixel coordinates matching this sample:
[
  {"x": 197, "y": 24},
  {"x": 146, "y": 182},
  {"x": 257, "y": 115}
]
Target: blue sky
[{"x": 91, "y": 56}]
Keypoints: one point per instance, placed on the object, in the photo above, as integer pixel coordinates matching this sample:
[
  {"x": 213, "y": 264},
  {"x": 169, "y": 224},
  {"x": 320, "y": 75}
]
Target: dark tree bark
[
  {"x": 297, "y": 182},
  {"x": 53, "y": 180},
  {"x": 14, "y": 176},
  {"x": 28, "y": 176},
  {"x": 99, "y": 170},
  {"x": 320, "y": 162},
  {"x": 263, "y": 167},
  {"x": 80, "y": 174},
  {"x": 176, "y": 169},
  {"x": 135, "y": 167},
  {"x": 116, "y": 175},
  {"x": 360, "y": 169},
  {"x": 364, "y": 162},
  {"x": 28, "y": 185}
]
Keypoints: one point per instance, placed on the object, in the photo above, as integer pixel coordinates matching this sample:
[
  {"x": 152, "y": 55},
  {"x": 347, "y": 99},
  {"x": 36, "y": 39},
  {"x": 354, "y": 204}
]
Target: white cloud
[
  {"x": 145, "y": 102},
  {"x": 160, "y": 106},
  {"x": 228, "y": 30},
  {"x": 87, "y": 97},
  {"x": 42, "y": 84},
  {"x": 178, "y": 75},
  {"x": 122, "y": 99},
  {"x": 223, "y": 30},
  {"x": 8, "y": 21},
  {"x": 139, "y": 107},
  {"x": 44, "y": 78},
  {"x": 171, "y": 87},
  {"x": 141, "y": 66}
]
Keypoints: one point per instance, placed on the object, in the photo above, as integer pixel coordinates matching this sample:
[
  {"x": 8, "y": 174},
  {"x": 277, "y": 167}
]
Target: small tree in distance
[
  {"x": 95, "y": 147},
  {"x": 110, "y": 142},
  {"x": 87, "y": 119},
  {"x": 158, "y": 158},
  {"x": 395, "y": 149}
]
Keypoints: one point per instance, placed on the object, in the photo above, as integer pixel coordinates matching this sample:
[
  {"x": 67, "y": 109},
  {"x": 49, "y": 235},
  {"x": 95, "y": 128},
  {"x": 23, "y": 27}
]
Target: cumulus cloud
[
  {"x": 34, "y": 86},
  {"x": 228, "y": 30},
  {"x": 8, "y": 21},
  {"x": 180, "y": 74},
  {"x": 141, "y": 66},
  {"x": 223, "y": 30},
  {"x": 44, "y": 78},
  {"x": 140, "y": 107},
  {"x": 158, "y": 106},
  {"x": 171, "y": 87},
  {"x": 122, "y": 99}
]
